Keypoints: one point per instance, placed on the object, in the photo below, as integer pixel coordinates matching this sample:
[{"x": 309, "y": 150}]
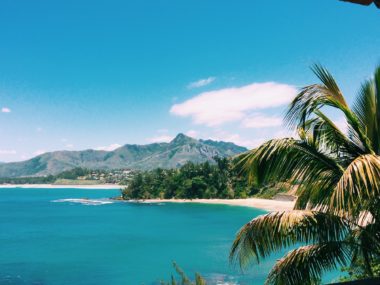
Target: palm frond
[
  {"x": 329, "y": 82},
  {"x": 359, "y": 183},
  {"x": 306, "y": 264},
  {"x": 271, "y": 232},
  {"x": 376, "y": 79},
  {"x": 199, "y": 280},
  {"x": 330, "y": 139},
  {"x": 367, "y": 109},
  {"x": 184, "y": 279},
  {"x": 313, "y": 97},
  {"x": 367, "y": 241},
  {"x": 296, "y": 162}
]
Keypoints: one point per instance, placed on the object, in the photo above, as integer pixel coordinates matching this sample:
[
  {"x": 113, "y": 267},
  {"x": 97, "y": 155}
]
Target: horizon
[{"x": 91, "y": 75}]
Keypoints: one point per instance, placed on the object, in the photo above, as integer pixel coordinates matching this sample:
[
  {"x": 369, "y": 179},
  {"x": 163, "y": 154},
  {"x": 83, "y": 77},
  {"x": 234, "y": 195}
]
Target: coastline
[
  {"x": 263, "y": 204},
  {"x": 63, "y": 186}
]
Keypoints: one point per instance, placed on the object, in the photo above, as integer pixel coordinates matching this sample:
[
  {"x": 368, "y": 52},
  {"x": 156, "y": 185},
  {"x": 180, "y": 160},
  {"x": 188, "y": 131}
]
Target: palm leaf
[
  {"x": 367, "y": 239},
  {"x": 271, "y": 232},
  {"x": 306, "y": 264},
  {"x": 296, "y": 162},
  {"x": 359, "y": 183},
  {"x": 367, "y": 109},
  {"x": 329, "y": 82},
  {"x": 331, "y": 140},
  {"x": 376, "y": 79},
  {"x": 313, "y": 97}
]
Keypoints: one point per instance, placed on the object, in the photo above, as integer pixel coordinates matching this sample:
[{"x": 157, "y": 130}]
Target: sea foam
[{"x": 84, "y": 201}]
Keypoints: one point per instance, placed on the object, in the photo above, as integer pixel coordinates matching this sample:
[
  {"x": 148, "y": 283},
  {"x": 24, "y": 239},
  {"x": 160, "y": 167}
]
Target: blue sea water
[{"x": 49, "y": 237}]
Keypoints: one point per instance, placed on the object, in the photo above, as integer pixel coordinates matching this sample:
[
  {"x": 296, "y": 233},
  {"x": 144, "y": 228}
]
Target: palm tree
[{"x": 337, "y": 172}]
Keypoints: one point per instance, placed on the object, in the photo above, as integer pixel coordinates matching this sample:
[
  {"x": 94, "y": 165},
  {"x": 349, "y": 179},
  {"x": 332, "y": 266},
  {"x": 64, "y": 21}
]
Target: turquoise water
[{"x": 47, "y": 240}]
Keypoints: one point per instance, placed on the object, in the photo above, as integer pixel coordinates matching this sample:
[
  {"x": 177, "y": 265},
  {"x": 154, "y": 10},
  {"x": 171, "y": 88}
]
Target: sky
[{"x": 99, "y": 74}]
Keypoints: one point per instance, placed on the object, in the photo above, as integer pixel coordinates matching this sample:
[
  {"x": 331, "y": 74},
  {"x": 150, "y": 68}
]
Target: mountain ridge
[{"x": 143, "y": 157}]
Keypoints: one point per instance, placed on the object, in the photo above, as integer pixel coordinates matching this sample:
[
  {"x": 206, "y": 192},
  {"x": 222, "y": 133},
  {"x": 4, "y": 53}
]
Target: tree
[
  {"x": 191, "y": 181},
  {"x": 337, "y": 213}
]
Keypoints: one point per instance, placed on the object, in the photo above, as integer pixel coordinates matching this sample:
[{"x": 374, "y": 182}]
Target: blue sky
[{"x": 98, "y": 74}]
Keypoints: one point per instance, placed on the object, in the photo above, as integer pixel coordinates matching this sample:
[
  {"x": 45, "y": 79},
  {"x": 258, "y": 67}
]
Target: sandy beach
[
  {"x": 264, "y": 204},
  {"x": 57, "y": 186}
]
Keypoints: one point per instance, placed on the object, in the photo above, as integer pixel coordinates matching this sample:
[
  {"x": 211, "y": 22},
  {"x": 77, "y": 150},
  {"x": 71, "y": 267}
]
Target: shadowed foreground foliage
[
  {"x": 184, "y": 280},
  {"x": 337, "y": 170}
]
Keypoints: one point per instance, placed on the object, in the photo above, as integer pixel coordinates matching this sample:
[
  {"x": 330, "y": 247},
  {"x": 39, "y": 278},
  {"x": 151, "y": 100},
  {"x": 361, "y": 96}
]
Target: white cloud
[
  {"x": 39, "y": 129},
  {"x": 192, "y": 133},
  {"x": 214, "y": 108},
  {"x": 261, "y": 121},
  {"x": 69, "y": 145},
  {"x": 110, "y": 147},
  {"x": 5, "y": 110},
  {"x": 160, "y": 138},
  {"x": 201, "y": 82},
  {"x": 7, "y": 151},
  {"x": 39, "y": 152}
]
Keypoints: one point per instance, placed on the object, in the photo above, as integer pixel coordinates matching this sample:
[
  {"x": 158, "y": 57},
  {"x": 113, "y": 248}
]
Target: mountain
[{"x": 165, "y": 155}]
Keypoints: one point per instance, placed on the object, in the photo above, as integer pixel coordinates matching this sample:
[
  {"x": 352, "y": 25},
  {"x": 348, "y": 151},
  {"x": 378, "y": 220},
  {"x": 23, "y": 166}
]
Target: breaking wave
[{"x": 85, "y": 201}]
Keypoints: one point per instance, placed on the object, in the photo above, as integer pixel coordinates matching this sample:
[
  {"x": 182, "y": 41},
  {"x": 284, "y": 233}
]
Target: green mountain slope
[{"x": 166, "y": 155}]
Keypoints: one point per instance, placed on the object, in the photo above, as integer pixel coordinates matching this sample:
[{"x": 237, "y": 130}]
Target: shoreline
[
  {"x": 263, "y": 204},
  {"x": 258, "y": 203},
  {"x": 63, "y": 186}
]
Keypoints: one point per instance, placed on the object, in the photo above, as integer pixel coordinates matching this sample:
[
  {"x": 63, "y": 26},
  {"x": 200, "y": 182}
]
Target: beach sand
[{"x": 264, "y": 204}]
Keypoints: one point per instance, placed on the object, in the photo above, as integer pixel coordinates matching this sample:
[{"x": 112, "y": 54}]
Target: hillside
[{"x": 145, "y": 157}]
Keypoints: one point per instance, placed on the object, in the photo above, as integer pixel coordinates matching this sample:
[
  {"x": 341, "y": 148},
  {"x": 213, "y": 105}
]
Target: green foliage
[
  {"x": 28, "y": 180},
  {"x": 73, "y": 173},
  {"x": 356, "y": 270},
  {"x": 270, "y": 190},
  {"x": 184, "y": 280},
  {"x": 191, "y": 181},
  {"x": 337, "y": 174},
  {"x": 78, "y": 175}
]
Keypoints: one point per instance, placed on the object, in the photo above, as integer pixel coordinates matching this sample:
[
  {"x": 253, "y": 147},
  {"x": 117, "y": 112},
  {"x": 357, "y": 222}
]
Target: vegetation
[
  {"x": 76, "y": 175},
  {"x": 184, "y": 279},
  {"x": 272, "y": 189},
  {"x": 205, "y": 180},
  {"x": 337, "y": 214},
  {"x": 357, "y": 271},
  {"x": 29, "y": 180}
]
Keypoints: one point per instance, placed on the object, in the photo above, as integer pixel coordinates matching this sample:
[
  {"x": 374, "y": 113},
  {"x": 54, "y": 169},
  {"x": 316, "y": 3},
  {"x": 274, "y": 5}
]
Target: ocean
[{"x": 78, "y": 236}]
